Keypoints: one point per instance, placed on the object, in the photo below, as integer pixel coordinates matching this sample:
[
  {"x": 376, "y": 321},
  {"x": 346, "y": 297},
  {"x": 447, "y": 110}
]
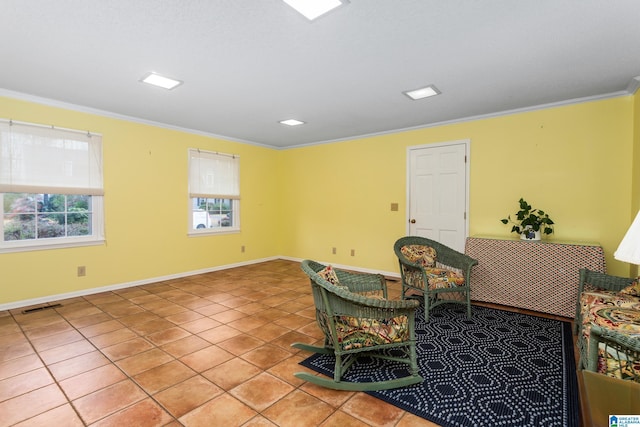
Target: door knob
[{"x": 412, "y": 221}]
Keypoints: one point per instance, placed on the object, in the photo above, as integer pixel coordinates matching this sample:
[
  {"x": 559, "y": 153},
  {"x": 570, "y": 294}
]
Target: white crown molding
[
  {"x": 632, "y": 87},
  {"x": 82, "y": 109},
  {"x": 473, "y": 118}
]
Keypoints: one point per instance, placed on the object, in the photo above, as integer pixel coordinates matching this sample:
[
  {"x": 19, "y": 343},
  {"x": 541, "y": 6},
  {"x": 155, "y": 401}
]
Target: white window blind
[
  {"x": 39, "y": 159},
  {"x": 213, "y": 175}
]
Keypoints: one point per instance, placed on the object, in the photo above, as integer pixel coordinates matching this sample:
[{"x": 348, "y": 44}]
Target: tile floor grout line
[
  {"x": 127, "y": 376},
  {"x": 70, "y": 401},
  {"x": 155, "y": 346},
  {"x": 132, "y": 377},
  {"x": 46, "y": 366}
]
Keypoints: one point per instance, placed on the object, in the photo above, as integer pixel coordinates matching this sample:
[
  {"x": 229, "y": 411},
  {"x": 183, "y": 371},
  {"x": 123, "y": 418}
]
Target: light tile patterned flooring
[{"x": 206, "y": 350}]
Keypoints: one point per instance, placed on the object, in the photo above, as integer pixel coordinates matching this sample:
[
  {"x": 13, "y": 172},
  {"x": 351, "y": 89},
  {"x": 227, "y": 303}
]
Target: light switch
[{"x": 394, "y": 207}]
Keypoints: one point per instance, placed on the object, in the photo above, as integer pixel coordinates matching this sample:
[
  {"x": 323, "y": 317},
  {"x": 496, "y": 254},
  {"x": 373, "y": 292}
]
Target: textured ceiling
[{"x": 246, "y": 64}]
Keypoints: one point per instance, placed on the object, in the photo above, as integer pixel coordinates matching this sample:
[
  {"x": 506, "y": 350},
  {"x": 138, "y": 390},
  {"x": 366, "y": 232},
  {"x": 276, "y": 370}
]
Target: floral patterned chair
[
  {"x": 357, "y": 319},
  {"x": 608, "y": 325},
  {"x": 437, "y": 271}
]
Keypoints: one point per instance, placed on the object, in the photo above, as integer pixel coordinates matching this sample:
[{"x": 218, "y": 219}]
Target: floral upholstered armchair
[
  {"x": 437, "y": 271},
  {"x": 357, "y": 319}
]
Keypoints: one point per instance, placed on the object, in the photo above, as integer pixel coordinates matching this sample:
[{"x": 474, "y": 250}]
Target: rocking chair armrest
[
  {"x": 341, "y": 302},
  {"x": 356, "y": 282},
  {"x": 362, "y": 282},
  {"x": 377, "y": 303}
]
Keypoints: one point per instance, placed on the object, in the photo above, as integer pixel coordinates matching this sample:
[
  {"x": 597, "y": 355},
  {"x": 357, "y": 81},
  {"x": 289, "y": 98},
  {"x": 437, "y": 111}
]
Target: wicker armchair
[
  {"x": 444, "y": 270},
  {"x": 594, "y": 288},
  {"x": 358, "y": 320},
  {"x": 624, "y": 362}
]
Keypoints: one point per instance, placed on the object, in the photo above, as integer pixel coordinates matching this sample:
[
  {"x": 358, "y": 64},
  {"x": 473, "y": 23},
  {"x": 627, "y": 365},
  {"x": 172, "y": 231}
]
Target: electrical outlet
[
  {"x": 333, "y": 251},
  {"x": 242, "y": 248},
  {"x": 394, "y": 207},
  {"x": 82, "y": 271},
  {"x": 353, "y": 252}
]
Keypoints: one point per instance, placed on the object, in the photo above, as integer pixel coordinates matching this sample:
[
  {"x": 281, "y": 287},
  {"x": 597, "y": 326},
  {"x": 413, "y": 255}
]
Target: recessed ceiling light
[
  {"x": 161, "y": 81},
  {"x": 291, "y": 122},
  {"x": 423, "y": 92},
  {"x": 313, "y": 9}
]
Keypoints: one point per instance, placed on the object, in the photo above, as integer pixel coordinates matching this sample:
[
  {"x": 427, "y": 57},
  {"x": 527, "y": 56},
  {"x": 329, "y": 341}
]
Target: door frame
[{"x": 467, "y": 154}]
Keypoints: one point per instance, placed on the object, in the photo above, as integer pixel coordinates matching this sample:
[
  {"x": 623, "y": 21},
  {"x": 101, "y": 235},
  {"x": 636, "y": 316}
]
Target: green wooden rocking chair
[{"x": 358, "y": 320}]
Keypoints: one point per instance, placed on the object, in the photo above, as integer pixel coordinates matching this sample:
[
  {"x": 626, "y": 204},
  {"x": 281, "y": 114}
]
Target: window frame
[
  {"x": 199, "y": 190},
  {"x": 91, "y": 185}
]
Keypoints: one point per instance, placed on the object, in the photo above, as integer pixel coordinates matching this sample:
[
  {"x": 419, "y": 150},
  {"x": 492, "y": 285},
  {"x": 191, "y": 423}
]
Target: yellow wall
[
  {"x": 576, "y": 162},
  {"x": 635, "y": 189},
  {"x": 146, "y": 210},
  {"x": 572, "y": 161}
]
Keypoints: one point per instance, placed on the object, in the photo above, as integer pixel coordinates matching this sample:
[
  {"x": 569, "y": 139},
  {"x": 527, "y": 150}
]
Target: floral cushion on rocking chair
[{"x": 356, "y": 332}]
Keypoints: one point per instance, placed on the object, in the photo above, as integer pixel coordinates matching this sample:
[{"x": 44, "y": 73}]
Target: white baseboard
[
  {"x": 390, "y": 274},
  {"x": 91, "y": 291}
]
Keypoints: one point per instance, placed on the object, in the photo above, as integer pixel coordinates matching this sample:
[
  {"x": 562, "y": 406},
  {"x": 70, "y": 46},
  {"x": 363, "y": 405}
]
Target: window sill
[
  {"x": 48, "y": 246},
  {"x": 211, "y": 232}
]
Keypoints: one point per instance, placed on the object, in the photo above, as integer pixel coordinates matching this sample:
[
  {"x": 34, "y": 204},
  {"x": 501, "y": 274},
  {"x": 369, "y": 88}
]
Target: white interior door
[{"x": 438, "y": 195}]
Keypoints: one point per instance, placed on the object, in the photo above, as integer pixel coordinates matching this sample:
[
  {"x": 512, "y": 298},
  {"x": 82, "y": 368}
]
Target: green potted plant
[{"x": 530, "y": 223}]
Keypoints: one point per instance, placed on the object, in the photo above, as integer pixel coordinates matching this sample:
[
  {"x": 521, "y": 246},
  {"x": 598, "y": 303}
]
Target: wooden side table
[{"x": 606, "y": 396}]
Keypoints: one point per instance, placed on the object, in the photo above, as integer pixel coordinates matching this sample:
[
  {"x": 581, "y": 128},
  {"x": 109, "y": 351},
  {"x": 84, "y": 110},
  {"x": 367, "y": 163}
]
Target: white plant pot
[{"x": 529, "y": 234}]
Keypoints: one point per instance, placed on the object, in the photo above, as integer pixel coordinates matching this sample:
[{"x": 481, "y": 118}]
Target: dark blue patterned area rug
[{"x": 498, "y": 368}]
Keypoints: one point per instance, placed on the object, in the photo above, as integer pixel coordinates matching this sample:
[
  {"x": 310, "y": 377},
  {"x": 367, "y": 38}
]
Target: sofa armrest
[
  {"x": 624, "y": 349},
  {"x": 602, "y": 280}
]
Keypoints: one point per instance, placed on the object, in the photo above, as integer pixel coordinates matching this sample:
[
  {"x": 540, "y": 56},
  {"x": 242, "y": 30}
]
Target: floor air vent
[{"x": 44, "y": 307}]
